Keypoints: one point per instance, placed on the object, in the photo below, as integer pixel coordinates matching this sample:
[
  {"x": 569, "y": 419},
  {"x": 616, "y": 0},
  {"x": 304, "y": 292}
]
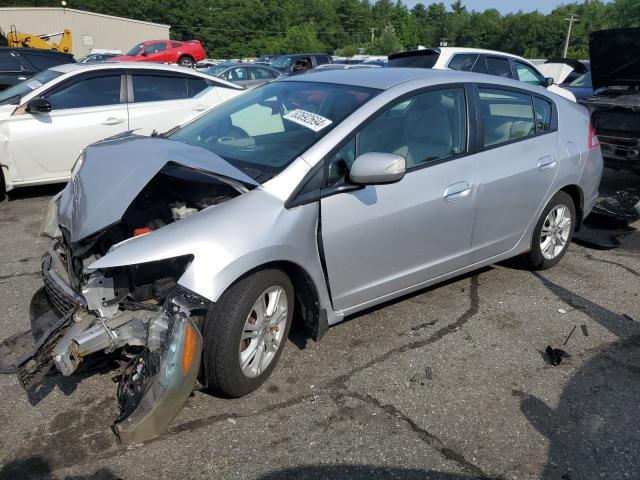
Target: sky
[{"x": 504, "y": 6}]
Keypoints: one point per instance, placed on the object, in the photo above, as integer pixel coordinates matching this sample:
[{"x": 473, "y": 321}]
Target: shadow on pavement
[
  {"x": 357, "y": 472},
  {"x": 34, "y": 192},
  {"x": 38, "y": 467},
  {"x": 593, "y": 432}
]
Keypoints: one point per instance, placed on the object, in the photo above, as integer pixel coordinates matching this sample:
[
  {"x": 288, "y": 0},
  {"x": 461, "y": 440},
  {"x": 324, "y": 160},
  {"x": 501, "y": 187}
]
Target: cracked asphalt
[{"x": 450, "y": 383}]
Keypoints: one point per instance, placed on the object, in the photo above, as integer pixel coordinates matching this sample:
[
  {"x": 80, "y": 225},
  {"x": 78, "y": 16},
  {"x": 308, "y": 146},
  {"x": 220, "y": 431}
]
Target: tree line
[{"x": 245, "y": 28}]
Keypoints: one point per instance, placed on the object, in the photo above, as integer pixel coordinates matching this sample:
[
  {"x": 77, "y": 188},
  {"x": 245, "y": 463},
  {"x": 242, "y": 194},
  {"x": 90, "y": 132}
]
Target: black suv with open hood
[{"x": 615, "y": 106}]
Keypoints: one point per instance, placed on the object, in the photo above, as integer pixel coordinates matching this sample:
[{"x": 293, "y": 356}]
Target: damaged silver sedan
[{"x": 313, "y": 197}]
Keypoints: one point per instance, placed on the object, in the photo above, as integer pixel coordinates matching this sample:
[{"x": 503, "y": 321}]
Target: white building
[{"x": 88, "y": 30}]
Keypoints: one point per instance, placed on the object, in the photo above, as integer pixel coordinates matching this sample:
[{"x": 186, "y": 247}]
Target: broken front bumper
[{"x": 155, "y": 393}]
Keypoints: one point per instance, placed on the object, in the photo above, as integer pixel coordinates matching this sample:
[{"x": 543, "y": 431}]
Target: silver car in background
[{"x": 313, "y": 197}]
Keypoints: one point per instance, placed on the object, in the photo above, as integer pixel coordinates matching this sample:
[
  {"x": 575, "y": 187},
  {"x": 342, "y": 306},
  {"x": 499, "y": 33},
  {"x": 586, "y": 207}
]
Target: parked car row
[{"x": 73, "y": 105}]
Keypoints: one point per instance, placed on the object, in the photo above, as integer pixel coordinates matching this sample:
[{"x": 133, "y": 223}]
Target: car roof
[
  {"x": 74, "y": 67},
  {"x": 386, "y": 78},
  {"x": 447, "y": 51},
  {"x": 41, "y": 51}
]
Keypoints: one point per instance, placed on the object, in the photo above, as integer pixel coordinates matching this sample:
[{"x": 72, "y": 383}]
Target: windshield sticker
[
  {"x": 312, "y": 121},
  {"x": 33, "y": 84}
]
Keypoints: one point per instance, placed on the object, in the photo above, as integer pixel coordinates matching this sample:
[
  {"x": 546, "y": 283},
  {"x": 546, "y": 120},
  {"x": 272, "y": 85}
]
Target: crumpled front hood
[
  {"x": 614, "y": 57},
  {"x": 115, "y": 171}
]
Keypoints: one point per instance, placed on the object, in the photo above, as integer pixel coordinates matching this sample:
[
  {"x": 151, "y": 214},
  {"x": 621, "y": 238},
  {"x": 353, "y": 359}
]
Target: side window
[
  {"x": 499, "y": 67},
  {"x": 261, "y": 74},
  {"x": 90, "y": 92},
  {"x": 154, "y": 88},
  {"x": 155, "y": 48},
  {"x": 43, "y": 62},
  {"x": 235, "y": 74},
  {"x": 322, "y": 60},
  {"x": 480, "y": 66},
  {"x": 543, "y": 114},
  {"x": 427, "y": 127},
  {"x": 506, "y": 115},
  {"x": 528, "y": 74},
  {"x": 175, "y": 45},
  {"x": 195, "y": 85},
  {"x": 463, "y": 61},
  {"x": 9, "y": 63}
]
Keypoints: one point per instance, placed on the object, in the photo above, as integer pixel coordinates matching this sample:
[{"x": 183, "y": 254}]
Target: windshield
[
  {"x": 12, "y": 95},
  {"x": 414, "y": 60},
  {"x": 282, "y": 62},
  {"x": 263, "y": 131},
  {"x": 583, "y": 80},
  {"x": 135, "y": 50}
]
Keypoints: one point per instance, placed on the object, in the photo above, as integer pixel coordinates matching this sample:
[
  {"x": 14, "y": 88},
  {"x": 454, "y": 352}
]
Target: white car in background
[
  {"x": 477, "y": 60},
  {"x": 47, "y": 120}
]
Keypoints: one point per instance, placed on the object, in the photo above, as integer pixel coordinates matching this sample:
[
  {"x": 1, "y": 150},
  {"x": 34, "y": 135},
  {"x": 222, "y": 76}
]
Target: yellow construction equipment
[{"x": 29, "y": 40}]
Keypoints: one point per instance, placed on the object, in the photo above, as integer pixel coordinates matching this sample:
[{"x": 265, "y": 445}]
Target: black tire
[
  {"x": 534, "y": 259},
  {"x": 186, "y": 61},
  {"x": 223, "y": 329},
  {"x": 3, "y": 193}
]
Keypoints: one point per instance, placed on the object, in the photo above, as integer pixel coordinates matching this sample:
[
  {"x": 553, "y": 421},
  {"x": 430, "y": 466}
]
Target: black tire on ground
[
  {"x": 186, "y": 61},
  {"x": 223, "y": 329},
  {"x": 534, "y": 258},
  {"x": 3, "y": 192}
]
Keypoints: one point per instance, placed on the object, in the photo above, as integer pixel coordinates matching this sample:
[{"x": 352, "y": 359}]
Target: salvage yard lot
[{"x": 450, "y": 383}]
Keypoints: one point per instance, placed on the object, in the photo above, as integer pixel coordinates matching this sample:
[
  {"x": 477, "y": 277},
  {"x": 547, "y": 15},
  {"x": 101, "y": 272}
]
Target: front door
[
  {"x": 516, "y": 169},
  {"x": 46, "y": 145},
  {"x": 384, "y": 239}
]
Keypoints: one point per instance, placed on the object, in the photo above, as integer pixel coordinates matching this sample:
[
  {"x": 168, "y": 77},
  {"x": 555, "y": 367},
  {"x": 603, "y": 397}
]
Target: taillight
[{"x": 593, "y": 138}]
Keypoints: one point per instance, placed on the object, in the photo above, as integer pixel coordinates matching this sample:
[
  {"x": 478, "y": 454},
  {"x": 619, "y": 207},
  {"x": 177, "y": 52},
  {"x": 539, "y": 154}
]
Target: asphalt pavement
[{"x": 449, "y": 383}]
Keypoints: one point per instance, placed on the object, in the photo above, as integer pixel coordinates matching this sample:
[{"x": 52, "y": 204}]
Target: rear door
[
  {"x": 84, "y": 109},
  {"x": 516, "y": 166},
  {"x": 161, "y": 100}
]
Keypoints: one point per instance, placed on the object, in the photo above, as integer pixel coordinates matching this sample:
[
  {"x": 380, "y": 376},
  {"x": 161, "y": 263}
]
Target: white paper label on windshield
[
  {"x": 33, "y": 84},
  {"x": 310, "y": 120}
]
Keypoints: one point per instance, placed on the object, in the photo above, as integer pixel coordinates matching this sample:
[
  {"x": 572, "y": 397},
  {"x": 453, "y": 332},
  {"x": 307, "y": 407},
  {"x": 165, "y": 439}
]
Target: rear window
[
  {"x": 43, "y": 62},
  {"x": 414, "y": 60},
  {"x": 9, "y": 63}
]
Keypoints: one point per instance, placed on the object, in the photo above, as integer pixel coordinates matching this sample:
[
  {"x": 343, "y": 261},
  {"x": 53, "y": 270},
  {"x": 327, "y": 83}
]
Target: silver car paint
[{"x": 255, "y": 228}]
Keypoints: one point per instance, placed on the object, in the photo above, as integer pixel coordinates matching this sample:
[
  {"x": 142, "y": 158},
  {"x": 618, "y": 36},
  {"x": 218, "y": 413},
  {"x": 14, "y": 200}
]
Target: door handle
[
  {"x": 457, "y": 191},
  {"x": 113, "y": 121},
  {"x": 200, "y": 108},
  {"x": 546, "y": 163}
]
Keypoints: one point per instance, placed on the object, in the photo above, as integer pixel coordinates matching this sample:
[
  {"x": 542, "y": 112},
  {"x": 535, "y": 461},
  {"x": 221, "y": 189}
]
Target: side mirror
[
  {"x": 549, "y": 81},
  {"x": 38, "y": 105},
  {"x": 375, "y": 168}
]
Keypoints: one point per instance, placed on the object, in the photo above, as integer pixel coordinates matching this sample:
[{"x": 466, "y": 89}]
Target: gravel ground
[{"x": 449, "y": 383}]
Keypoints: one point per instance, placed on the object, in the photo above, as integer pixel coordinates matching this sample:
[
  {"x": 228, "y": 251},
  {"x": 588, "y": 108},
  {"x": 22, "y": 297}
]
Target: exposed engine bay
[{"x": 81, "y": 311}]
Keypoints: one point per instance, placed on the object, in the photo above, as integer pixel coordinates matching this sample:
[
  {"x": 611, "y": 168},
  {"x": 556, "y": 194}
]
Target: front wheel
[
  {"x": 186, "y": 61},
  {"x": 245, "y": 332},
  {"x": 553, "y": 232}
]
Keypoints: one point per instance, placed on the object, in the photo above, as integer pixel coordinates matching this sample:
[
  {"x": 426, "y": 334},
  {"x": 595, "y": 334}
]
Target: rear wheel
[
  {"x": 186, "y": 61},
  {"x": 245, "y": 332},
  {"x": 3, "y": 192},
  {"x": 553, "y": 232}
]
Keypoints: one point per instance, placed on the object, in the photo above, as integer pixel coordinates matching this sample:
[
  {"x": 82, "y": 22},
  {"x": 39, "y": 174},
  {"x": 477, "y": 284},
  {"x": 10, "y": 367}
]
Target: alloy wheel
[{"x": 555, "y": 232}]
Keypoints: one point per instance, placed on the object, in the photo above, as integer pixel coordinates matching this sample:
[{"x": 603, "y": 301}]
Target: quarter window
[
  {"x": 154, "y": 88},
  {"x": 90, "y": 92},
  {"x": 543, "y": 114},
  {"x": 506, "y": 116},
  {"x": 528, "y": 74},
  {"x": 499, "y": 67}
]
